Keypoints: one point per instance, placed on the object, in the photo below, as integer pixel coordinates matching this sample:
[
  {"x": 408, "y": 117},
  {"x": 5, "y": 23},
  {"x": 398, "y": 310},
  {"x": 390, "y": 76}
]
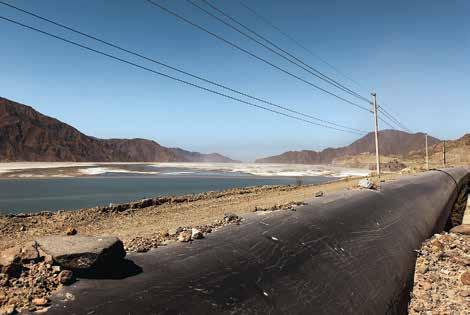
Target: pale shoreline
[{"x": 79, "y": 169}]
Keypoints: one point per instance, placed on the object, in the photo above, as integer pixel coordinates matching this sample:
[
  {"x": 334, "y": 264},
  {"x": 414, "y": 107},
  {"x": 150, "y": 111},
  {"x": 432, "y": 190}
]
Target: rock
[
  {"x": 366, "y": 183},
  {"x": 56, "y": 269},
  {"x": 22, "y": 228},
  {"x": 40, "y": 301},
  {"x": 464, "y": 293},
  {"x": 11, "y": 259},
  {"x": 319, "y": 194},
  {"x": 10, "y": 263},
  {"x": 184, "y": 236},
  {"x": 461, "y": 229},
  {"x": 8, "y": 310},
  {"x": 66, "y": 277},
  {"x": 230, "y": 217},
  {"x": 174, "y": 232},
  {"x": 426, "y": 285},
  {"x": 71, "y": 231},
  {"x": 196, "y": 234},
  {"x": 423, "y": 269},
  {"x": 82, "y": 252},
  {"x": 465, "y": 278}
]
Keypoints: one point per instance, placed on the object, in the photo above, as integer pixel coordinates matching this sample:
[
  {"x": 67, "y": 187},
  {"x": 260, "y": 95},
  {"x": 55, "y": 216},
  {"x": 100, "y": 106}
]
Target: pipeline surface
[{"x": 351, "y": 252}]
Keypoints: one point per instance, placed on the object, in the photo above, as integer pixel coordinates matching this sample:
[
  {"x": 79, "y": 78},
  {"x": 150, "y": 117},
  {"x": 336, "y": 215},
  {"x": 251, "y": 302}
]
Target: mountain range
[
  {"x": 27, "y": 135},
  {"x": 392, "y": 142}
]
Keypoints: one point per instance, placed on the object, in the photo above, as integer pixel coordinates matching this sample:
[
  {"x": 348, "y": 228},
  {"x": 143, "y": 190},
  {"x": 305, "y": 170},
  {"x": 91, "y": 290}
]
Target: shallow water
[{"x": 33, "y": 195}]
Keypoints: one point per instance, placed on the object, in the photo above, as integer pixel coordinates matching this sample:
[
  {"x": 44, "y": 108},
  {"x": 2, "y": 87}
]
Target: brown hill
[
  {"x": 392, "y": 142},
  {"x": 27, "y": 135}
]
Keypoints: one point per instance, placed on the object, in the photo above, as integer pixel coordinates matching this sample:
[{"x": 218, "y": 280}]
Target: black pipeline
[{"x": 348, "y": 253}]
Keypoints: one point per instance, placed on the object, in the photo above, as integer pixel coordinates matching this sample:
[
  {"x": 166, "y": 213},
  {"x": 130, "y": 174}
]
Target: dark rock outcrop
[{"x": 27, "y": 135}]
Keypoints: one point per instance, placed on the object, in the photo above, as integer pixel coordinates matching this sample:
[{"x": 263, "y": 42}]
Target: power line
[
  {"x": 165, "y": 9},
  {"x": 302, "y": 64},
  {"x": 299, "y": 44},
  {"x": 179, "y": 70},
  {"x": 392, "y": 118},
  {"x": 166, "y": 75}
]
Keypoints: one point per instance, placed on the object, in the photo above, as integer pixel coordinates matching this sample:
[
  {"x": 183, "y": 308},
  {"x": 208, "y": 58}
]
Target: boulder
[
  {"x": 231, "y": 217},
  {"x": 66, "y": 277},
  {"x": 184, "y": 236},
  {"x": 71, "y": 231},
  {"x": 82, "y": 252},
  {"x": 12, "y": 259},
  {"x": 196, "y": 234},
  {"x": 461, "y": 229},
  {"x": 367, "y": 184}
]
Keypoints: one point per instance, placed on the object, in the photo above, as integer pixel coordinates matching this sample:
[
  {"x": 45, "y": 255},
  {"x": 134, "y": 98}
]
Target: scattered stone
[
  {"x": 69, "y": 296},
  {"x": 184, "y": 236},
  {"x": 367, "y": 184},
  {"x": 66, "y": 277},
  {"x": 40, "y": 301},
  {"x": 56, "y": 269},
  {"x": 174, "y": 232},
  {"x": 196, "y": 234},
  {"x": 82, "y": 252},
  {"x": 71, "y": 231},
  {"x": 423, "y": 269},
  {"x": 319, "y": 194},
  {"x": 23, "y": 228},
  {"x": 426, "y": 285},
  {"x": 11, "y": 260},
  {"x": 7, "y": 310},
  {"x": 465, "y": 293},
  {"x": 465, "y": 278},
  {"x": 231, "y": 217},
  {"x": 441, "y": 275},
  {"x": 461, "y": 229}
]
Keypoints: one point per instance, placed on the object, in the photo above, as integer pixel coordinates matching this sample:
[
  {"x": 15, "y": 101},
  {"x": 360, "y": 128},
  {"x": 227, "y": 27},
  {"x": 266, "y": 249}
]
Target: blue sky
[{"x": 413, "y": 53}]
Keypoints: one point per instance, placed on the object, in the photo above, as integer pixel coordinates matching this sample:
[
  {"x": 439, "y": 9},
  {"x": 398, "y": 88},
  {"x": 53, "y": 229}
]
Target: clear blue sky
[{"x": 414, "y": 53}]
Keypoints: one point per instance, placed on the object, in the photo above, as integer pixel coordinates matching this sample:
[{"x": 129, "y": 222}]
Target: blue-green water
[{"x": 32, "y": 195}]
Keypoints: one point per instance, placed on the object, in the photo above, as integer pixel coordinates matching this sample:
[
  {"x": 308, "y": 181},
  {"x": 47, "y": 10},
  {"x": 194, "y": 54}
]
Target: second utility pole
[
  {"x": 427, "y": 154},
  {"x": 377, "y": 155}
]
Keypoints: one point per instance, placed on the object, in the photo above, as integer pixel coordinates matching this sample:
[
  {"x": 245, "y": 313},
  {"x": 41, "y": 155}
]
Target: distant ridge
[
  {"x": 392, "y": 142},
  {"x": 27, "y": 135}
]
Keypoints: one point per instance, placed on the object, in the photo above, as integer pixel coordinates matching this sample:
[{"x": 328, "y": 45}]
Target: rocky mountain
[
  {"x": 392, "y": 142},
  {"x": 27, "y": 135}
]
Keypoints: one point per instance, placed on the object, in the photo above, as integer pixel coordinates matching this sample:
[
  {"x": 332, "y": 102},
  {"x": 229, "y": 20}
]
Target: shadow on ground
[{"x": 118, "y": 270}]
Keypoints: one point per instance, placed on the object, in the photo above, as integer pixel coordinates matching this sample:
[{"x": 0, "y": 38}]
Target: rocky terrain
[
  {"x": 392, "y": 143},
  {"x": 442, "y": 276},
  {"x": 27, "y": 135}
]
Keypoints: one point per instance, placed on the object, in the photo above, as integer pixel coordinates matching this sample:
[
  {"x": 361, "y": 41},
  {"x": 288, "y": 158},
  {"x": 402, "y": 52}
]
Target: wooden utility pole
[
  {"x": 427, "y": 155},
  {"x": 376, "y": 121},
  {"x": 444, "y": 153}
]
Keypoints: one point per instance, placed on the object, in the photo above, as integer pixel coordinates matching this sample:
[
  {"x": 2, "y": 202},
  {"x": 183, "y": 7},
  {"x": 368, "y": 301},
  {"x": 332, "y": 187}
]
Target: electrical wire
[
  {"x": 177, "y": 69},
  {"x": 165, "y": 9},
  {"x": 302, "y": 64},
  {"x": 165, "y": 75}
]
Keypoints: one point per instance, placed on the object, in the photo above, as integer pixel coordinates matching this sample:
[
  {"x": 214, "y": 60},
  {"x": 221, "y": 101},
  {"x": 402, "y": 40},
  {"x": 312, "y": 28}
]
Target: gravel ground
[{"x": 442, "y": 276}]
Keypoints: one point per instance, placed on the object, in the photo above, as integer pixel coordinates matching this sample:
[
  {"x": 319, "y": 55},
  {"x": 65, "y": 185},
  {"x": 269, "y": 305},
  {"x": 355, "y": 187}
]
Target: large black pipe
[{"x": 349, "y": 253}]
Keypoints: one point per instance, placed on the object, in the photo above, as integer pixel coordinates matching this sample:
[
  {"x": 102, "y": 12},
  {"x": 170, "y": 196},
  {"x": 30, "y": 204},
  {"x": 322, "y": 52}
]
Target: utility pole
[
  {"x": 444, "y": 153},
  {"x": 427, "y": 155},
  {"x": 376, "y": 121}
]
